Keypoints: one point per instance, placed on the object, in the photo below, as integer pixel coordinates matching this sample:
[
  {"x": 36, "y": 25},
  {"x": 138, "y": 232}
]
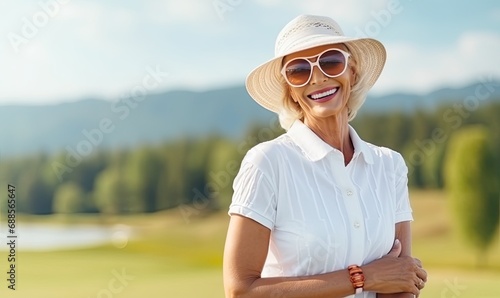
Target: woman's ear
[{"x": 354, "y": 76}]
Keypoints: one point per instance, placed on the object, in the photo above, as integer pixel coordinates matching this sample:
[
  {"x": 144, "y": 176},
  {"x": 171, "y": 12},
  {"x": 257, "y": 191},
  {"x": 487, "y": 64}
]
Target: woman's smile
[{"x": 324, "y": 94}]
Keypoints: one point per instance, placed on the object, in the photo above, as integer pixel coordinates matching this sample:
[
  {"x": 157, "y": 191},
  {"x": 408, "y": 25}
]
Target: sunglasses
[{"x": 298, "y": 71}]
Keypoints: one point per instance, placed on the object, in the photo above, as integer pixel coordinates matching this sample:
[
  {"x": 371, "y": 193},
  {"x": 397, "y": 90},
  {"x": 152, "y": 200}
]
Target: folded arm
[
  {"x": 403, "y": 233},
  {"x": 246, "y": 250}
]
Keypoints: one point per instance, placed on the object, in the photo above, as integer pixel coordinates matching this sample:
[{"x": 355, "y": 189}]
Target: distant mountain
[
  {"x": 92, "y": 123},
  {"x": 125, "y": 123},
  {"x": 407, "y": 102}
]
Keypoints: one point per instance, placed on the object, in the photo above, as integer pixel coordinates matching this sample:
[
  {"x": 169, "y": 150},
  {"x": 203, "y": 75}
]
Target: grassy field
[{"x": 178, "y": 258}]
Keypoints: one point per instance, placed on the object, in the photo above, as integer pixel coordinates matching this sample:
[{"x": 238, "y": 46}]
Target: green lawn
[{"x": 179, "y": 258}]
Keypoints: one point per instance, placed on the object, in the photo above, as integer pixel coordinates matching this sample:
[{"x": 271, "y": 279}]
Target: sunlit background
[{"x": 124, "y": 123}]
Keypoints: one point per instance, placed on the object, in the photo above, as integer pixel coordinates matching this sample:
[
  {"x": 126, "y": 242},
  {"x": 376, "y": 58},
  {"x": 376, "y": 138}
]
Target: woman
[{"x": 318, "y": 212}]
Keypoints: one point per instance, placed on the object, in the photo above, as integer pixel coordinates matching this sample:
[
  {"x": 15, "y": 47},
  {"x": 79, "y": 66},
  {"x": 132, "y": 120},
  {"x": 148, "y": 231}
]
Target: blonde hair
[{"x": 291, "y": 110}]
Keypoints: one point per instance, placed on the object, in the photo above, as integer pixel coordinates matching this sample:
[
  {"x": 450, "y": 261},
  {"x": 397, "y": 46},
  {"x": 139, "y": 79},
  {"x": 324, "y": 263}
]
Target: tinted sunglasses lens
[
  {"x": 298, "y": 72},
  {"x": 332, "y": 63}
]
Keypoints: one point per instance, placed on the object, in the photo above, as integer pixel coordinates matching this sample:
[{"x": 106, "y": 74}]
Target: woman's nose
[{"x": 317, "y": 76}]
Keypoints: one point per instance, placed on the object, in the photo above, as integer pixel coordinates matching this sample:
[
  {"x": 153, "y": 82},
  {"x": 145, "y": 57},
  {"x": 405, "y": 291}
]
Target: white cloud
[
  {"x": 356, "y": 17},
  {"x": 87, "y": 19},
  {"x": 480, "y": 44},
  {"x": 180, "y": 12},
  {"x": 69, "y": 55},
  {"x": 495, "y": 14},
  {"x": 270, "y": 3},
  {"x": 422, "y": 68},
  {"x": 348, "y": 12},
  {"x": 94, "y": 22},
  {"x": 25, "y": 72}
]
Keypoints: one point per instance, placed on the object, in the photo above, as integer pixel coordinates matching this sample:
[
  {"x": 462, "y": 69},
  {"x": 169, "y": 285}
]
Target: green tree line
[
  {"x": 423, "y": 136},
  {"x": 201, "y": 171}
]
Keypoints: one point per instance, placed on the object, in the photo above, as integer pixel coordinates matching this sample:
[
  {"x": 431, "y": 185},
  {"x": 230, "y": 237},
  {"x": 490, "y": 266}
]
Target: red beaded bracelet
[{"x": 357, "y": 278}]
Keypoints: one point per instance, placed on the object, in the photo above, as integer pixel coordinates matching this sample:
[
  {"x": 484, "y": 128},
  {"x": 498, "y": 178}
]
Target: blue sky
[{"x": 69, "y": 49}]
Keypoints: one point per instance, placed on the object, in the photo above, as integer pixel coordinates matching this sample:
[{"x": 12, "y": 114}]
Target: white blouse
[{"x": 323, "y": 215}]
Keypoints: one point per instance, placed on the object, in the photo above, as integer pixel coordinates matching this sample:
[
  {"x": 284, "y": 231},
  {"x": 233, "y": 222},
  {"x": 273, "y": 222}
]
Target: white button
[
  {"x": 349, "y": 192},
  {"x": 356, "y": 224}
]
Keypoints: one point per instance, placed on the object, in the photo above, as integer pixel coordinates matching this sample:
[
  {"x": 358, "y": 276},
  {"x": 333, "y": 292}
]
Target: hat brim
[{"x": 265, "y": 82}]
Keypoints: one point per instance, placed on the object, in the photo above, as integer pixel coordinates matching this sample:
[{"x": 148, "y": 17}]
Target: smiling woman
[{"x": 318, "y": 212}]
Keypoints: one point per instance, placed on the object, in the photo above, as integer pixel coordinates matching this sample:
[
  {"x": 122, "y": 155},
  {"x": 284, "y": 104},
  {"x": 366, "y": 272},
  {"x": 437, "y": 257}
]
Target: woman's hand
[{"x": 395, "y": 274}]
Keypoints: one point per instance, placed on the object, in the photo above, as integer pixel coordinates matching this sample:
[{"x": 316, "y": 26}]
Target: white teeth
[{"x": 324, "y": 94}]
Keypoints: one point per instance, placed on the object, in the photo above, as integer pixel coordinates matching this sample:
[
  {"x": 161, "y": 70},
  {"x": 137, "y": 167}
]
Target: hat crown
[{"x": 304, "y": 26}]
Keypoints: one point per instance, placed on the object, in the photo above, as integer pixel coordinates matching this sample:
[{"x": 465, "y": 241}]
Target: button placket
[{"x": 354, "y": 211}]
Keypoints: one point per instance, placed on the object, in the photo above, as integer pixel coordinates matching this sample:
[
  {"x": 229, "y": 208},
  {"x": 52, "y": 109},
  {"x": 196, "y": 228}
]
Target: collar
[{"x": 315, "y": 148}]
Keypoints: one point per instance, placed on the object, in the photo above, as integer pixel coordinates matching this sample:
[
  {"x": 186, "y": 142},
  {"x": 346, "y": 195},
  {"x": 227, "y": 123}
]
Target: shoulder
[
  {"x": 382, "y": 152},
  {"x": 375, "y": 154},
  {"x": 272, "y": 149},
  {"x": 269, "y": 156},
  {"x": 385, "y": 155}
]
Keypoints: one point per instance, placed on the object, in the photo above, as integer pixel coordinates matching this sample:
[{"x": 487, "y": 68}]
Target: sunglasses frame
[{"x": 316, "y": 63}]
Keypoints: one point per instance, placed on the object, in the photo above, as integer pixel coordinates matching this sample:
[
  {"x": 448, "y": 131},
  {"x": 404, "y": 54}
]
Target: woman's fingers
[
  {"x": 400, "y": 274},
  {"x": 422, "y": 274},
  {"x": 396, "y": 249},
  {"x": 420, "y": 284},
  {"x": 415, "y": 291}
]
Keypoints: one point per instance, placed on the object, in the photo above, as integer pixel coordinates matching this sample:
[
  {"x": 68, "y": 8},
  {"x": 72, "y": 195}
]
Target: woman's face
[{"x": 336, "y": 90}]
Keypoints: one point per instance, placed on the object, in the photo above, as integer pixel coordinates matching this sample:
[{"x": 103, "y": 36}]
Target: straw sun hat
[{"x": 265, "y": 83}]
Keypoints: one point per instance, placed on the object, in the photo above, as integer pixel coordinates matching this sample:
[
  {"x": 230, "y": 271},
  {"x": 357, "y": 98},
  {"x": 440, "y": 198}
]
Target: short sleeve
[
  {"x": 254, "y": 193},
  {"x": 403, "y": 207}
]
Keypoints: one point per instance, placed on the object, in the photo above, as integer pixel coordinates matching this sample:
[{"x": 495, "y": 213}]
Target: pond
[{"x": 44, "y": 237}]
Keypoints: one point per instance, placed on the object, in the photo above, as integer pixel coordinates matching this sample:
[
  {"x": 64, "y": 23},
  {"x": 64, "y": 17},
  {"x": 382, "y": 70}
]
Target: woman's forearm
[
  {"x": 399, "y": 295},
  {"x": 334, "y": 284}
]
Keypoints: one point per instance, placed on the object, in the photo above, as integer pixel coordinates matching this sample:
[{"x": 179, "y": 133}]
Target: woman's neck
[{"x": 334, "y": 131}]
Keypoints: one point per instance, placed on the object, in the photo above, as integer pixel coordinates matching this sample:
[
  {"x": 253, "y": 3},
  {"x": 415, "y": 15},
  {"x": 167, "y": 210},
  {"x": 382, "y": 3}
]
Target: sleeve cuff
[
  {"x": 247, "y": 212},
  {"x": 405, "y": 216}
]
